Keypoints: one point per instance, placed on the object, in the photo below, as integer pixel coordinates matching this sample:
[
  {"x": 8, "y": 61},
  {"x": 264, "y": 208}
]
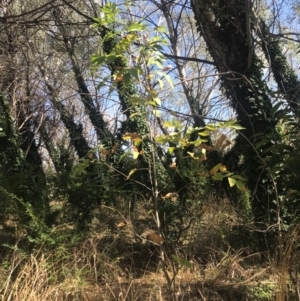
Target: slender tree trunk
[
  {"x": 75, "y": 130},
  {"x": 286, "y": 78},
  {"x": 96, "y": 117}
]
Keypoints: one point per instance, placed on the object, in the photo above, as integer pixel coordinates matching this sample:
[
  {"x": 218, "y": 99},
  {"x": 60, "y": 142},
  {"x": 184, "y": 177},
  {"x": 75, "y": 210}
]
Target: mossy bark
[
  {"x": 285, "y": 77},
  {"x": 225, "y": 28}
]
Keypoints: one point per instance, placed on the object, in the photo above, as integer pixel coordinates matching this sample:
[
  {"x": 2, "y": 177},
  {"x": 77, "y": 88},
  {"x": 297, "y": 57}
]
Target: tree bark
[{"x": 224, "y": 26}]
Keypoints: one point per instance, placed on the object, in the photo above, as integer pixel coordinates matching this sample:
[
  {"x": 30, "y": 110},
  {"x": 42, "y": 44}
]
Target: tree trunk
[{"x": 226, "y": 29}]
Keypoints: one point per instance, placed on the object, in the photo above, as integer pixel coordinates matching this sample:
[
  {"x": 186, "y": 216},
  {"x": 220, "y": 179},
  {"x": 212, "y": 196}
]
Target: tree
[{"x": 228, "y": 30}]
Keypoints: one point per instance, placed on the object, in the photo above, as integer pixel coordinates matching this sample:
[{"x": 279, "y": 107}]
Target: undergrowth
[{"x": 119, "y": 261}]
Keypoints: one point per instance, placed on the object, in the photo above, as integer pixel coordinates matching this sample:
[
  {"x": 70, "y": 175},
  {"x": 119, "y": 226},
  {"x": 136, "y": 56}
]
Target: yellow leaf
[
  {"x": 135, "y": 155},
  {"x": 168, "y": 124},
  {"x": 131, "y": 173},
  {"x": 156, "y": 113},
  {"x": 205, "y": 133},
  {"x": 130, "y": 136},
  {"x": 134, "y": 114},
  {"x": 157, "y": 101},
  {"x": 137, "y": 141},
  {"x": 210, "y": 127},
  {"x": 171, "y": 150},
  {"x": 231, "y": 181},
  {"x": 215, "y": 169},
  {"x": 223, "y": 169},
  {"x": 193, "y": 156}
]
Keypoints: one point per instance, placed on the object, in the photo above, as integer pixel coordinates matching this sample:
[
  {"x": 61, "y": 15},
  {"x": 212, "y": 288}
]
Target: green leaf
[
  {"x": 100, "y": 85},
  {"x": 182, "y": 261},
  {"x": 161, "y": 139},
  {"x": 259, "y": 144},
  {"x": 161, "y": 29},
  {"x": 124, "y": 156},
  {"x": 134, "y": 72},
  {"x": 154, "y": 61},
  {"x": 110, "y": 10},
  {"x": 84, "y": 162},
  {"x": 168, "y": 124},
  {"x": 158, "y": 47},
  {"x": 238, "y": 177},
  {"x": 110, "y": 58},
  {"x": 257, "y": 135},
  {"x": 97, "y": 60},
  {"x": 231, "y": 181},
  {"x": 136, "y": 99},
  {"x": 97, "y": 20},
  {"x": 136, "y": 27},
  {"x": 236, "y": 127},
  {"x": 111, "y": 88},
  {"x": 218, "y": 177},
  {"x": 126, "y": 79},
  {"x": 241, "y": 186},
  {"x": 152, "y": 93}
]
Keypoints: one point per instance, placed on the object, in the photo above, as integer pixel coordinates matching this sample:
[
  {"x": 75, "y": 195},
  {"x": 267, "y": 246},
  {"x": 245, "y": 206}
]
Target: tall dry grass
[{"x": 113, "y": 265}]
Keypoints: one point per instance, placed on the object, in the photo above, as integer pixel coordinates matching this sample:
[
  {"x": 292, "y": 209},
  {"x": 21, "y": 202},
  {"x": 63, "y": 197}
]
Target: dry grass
[
  {"x": 103, "y": 267},
  {"x": 41, "y": 277}
]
